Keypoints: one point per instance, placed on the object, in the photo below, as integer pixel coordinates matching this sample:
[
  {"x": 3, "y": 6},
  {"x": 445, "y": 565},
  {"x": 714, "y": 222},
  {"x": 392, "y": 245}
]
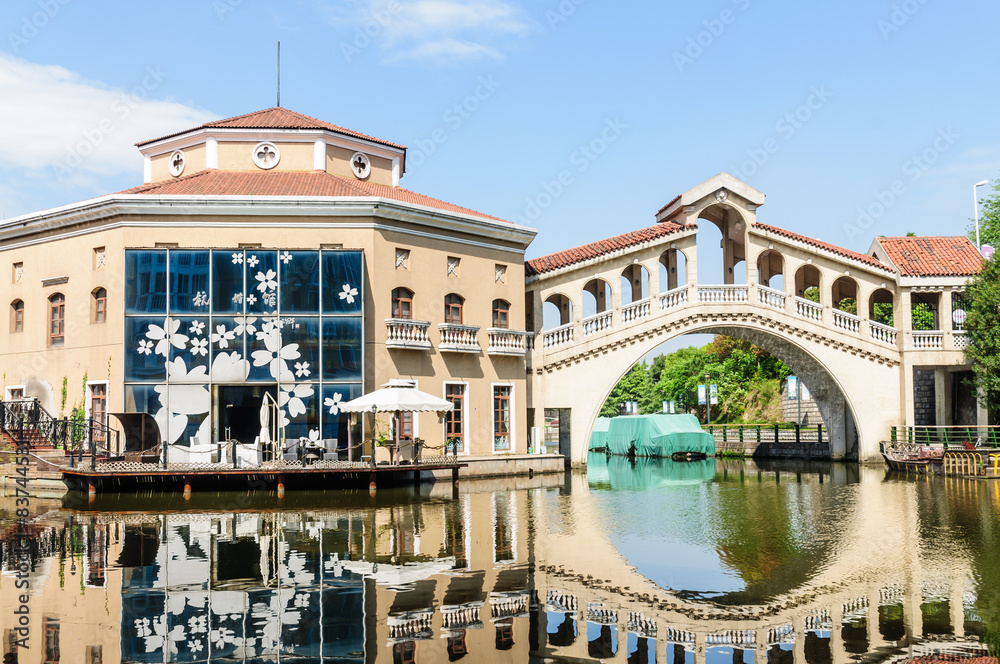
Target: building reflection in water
[{"x": 500, "y": 574}]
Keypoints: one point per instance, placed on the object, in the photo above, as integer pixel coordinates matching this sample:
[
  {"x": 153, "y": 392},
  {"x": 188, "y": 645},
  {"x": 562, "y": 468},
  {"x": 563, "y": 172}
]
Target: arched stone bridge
[{"x": 598, "y": 309}]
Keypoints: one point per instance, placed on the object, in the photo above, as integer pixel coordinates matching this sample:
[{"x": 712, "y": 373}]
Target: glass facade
[{"x": 206, "y": 322}]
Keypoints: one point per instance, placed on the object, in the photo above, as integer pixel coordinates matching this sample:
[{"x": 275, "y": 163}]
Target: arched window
[
  {"x": 57, "y": 320},
  {"x": 17, "y": 316},
  {"x": 453, "y": 309},
  {"x": 99, "y": 313},
  {"x": 501, "y": 314},
  {"x": 402, "y": 303}
]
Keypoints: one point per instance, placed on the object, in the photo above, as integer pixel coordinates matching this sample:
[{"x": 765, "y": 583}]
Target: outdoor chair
[{"x": 291, "y": 452}]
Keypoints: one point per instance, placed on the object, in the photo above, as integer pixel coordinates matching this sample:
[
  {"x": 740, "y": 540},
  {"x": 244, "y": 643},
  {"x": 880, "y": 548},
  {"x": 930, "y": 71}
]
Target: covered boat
[{"x": 658, "y": 435}]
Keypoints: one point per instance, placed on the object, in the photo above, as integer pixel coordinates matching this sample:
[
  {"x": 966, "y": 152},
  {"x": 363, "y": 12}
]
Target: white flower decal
[
  {"x": 348, "y": 293},
  {"x": 238, "y": 258},
  {"x": 285, "y": 258},
  {"x": 222, "y": 336},
  {"x": 314, "y": 435},
  {"x": 166, "y": 336},
  {"x": 199, "y": 347},
  {"x": 196, "y": 646},
  {"x": 251, "y": 299},
  {"x": 275, "y": 357},
  {"x": 196, "y": 328},
  {"x": 266, "y": 281},
  {"x": 200, "y": 299},
  {"x": 302, "y": 370},
  {"x": 245, "y": 325},
  {"x": 292, "y": 396},
  {"x": 252, "y": 261},
  {"x": 145, "y": 347},
  {"x": 333, "y": 403}
]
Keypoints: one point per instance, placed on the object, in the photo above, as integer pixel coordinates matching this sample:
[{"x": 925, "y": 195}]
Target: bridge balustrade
[
  {"x": 771, "y": 297},
  {"x": 883, "y": 333},
  {"x": 725, "y": 293},
  {"x": 597, "y": 323},
  {"x": 558, "y": 336},
  {"x": 846, "y": 321},
  {"x": 809, "y": 309},
  {"x": 928, "y": 339},
  {"x": 635, "y": 310},
  {"x": 674, "y": 298}
]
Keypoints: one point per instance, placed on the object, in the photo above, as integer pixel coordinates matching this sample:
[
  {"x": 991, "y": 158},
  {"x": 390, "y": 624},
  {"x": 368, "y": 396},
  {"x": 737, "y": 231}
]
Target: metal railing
[
  {"x": 28, "y": 424},
  {"x": 767, "y": 433},
  {"x": 949, "y": 436}
]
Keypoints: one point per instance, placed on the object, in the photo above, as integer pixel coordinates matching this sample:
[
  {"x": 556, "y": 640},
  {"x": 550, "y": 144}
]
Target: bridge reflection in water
[{"x": 715, "y": 562}]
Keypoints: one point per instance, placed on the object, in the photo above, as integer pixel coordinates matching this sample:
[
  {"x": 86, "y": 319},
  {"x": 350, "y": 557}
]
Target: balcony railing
[
  {"x": 506, "y": 342},
  {"x": 960, "y": 339},
  {"x": 557, "y": 336},
  {"x": 404, "y": 333},
  {"x": 458, "y": 338},
  {"x": 635, "y": 310},
  {"x": 674, "y": 298},
  {"x": 771, "y": 298},
  {"x": 597, "y": 323},
  {"x": 726, "y": 293},
  {"x": 928, "y": 339},
  {"x": 809, "y": 309},
  {"x": 846, "y": 321},
  {"x": 882, "y": 333}
]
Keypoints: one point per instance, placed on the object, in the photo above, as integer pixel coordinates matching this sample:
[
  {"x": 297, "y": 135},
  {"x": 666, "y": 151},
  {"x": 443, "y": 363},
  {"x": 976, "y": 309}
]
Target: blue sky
[{"x": 822, "y": 106}]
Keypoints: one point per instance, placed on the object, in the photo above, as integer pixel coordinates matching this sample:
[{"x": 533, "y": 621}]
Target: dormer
[{"x": 275, "y": 139}]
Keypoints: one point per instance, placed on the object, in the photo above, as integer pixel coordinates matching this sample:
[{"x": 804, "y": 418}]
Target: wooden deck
[{"x": 125, "y": 477}]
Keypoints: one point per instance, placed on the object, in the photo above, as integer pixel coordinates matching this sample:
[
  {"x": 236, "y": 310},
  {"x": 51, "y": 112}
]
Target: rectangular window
[
  {"x": 454, "y": 423},
  {"x": 51, "y": 641},
  {"x": 99, "y": 409},
  {"x": 406, "y": 425},
  {"x": 501, "y": 418},
  {"x": 57, "y": 320},
  {"x": 100, "y": 305}
]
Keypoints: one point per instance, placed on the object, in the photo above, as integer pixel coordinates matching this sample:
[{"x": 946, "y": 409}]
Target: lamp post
[
  {"x": 975, "y": 202},
  {"x": 708, "y": 400}
]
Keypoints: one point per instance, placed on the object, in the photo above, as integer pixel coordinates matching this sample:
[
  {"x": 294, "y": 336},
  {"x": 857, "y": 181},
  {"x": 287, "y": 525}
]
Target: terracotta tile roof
[
  {"x": 568, "y": 257},
  {"x": 819, "y": 244},
  {"x": 289, "y": 183},
  {"x": 275, "y": 118},
  {"x": 933, "y": 256}
]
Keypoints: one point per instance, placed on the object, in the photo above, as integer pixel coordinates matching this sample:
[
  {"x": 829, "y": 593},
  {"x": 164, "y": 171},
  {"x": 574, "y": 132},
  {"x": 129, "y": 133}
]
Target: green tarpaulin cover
[{"x": 652, "y": 435}]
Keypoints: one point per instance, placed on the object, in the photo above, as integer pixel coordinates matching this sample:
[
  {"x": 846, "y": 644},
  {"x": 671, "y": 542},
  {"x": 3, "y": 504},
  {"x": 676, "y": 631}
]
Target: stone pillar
[
  {"x": 904, "y": 317},
  {"x": 654, "y": 279},
  {"x": 699, "y": 648},
  {"x": 908, "y": 394}
]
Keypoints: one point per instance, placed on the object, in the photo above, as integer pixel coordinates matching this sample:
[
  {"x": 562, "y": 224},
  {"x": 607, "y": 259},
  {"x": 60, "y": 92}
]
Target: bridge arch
[
  {"x": 600, "y": 297},
  {"x": 771, "y": 266},
  {"x": 634, "y": 283},
  {"x": 843, "y": 291},
  {"x": 882, "y": 306},
  {"x": 673, "y": 269},
  {"x": 557, "y": 310},
  {"x": 732, "y": 223},
  {"x": 808, "y": 276}
]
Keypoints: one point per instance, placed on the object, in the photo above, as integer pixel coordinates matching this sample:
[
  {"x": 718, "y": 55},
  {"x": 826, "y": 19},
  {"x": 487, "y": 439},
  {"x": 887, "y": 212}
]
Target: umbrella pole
[
  {"x": 397, "y": 436},
  {"x": 350, "y": 437}
]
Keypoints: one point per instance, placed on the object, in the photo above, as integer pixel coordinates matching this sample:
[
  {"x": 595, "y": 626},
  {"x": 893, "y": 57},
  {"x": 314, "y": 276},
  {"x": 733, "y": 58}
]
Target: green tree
[
  {"x": 983, "y": 352},
  {"x": 634, "y": 386},
  {"x": 989, "y": 219}
]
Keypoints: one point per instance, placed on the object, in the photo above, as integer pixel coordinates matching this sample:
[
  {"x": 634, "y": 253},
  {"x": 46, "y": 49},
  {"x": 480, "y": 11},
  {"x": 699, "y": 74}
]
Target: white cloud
[
  {"x": 435, "y": 29},
  {"x": 65, "y": 129}
]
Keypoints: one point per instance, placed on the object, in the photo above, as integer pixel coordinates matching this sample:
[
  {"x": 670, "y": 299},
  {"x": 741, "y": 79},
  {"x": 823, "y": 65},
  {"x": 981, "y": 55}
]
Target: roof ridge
[
  {"x": 245, "y": 115},
  {"x": 829, "y": 246},
  {"x": 581, "y": 253}
]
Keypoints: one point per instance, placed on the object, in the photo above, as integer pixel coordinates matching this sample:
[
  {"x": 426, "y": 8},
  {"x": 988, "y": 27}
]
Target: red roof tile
[
  {"x": 275, "y": 118},
  {"x": 871, "y": 261},
  {"x": 933, "y": 256},
  {"x": 568, "y": 257},
  {"x": 289, "y": 183}
]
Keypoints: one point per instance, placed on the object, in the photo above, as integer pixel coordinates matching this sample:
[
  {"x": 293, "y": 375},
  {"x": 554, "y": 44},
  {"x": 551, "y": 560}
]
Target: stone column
[{"x": 940, "y": 402}]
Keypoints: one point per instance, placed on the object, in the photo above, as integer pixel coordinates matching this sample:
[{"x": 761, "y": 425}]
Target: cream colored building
[{"x": 268, "y": 253}]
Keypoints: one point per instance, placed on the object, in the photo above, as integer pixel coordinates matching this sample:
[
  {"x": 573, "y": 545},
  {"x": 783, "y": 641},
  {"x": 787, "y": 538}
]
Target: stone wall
[{"x": 924, "y": 405}]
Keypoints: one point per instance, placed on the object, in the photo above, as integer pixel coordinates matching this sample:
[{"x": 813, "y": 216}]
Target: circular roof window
[
  {"x": 266, "y": 155},
  {"x": 176, "y": 163},
  {"x": 361, "y": 165}
]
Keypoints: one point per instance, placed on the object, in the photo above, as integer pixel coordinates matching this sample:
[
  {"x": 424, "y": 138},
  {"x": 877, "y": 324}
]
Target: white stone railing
[
  {"x": 846, "y": 321},
  {"x": 459, "y": 338},
  {"x": 771, "y": 298},
  {"x": 808, "y": 309},
  {"x": 529, "y": 341},
  {"x": 725, "y": 293},
  {"x": 674, "y": 298},
  {"x": 883, "y": 333},
  {"x": 557, "y": 336},
  {"x": 928, "y": 339},
  {"x": 506, "y": 342},
  {"x": 403, "y": 333},
  {"x": 597, "y": 323},
  {"x": 960, "y": 339},
  {"x": 635, "y": 310}
]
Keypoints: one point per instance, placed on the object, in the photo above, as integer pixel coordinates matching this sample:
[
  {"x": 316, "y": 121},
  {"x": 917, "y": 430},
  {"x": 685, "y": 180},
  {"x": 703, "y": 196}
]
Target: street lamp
[
  {"x": 708, "y": 400},
  {"x": 975, "y": 202}
]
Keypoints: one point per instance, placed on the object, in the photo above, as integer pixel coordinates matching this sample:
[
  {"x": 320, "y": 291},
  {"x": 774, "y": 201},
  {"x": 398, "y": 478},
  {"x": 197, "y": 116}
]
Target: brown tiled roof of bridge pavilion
[{"x": 600, "y": 248}]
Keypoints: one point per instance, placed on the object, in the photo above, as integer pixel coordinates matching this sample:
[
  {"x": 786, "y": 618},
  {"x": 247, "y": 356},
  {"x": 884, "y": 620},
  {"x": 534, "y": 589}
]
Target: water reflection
[{"x": 715, "y": 562}]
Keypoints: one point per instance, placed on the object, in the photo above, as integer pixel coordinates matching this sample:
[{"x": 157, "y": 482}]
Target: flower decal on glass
[
  {"x": 285, "y": 257},
  {"x": 197, "y": 328},
  {"x": 266, "y": 281},
  {"x": 246, "y": 325},
  {"x": 238, "y": 258},
  {"x": 292, "y": 396},
  {"x": 348, "y": 293},
  {"x": 253, "y": 261},
  {"x": 276, "y": 356},
  {"x": 199, "y": 347},
  {"x": 222, "y": 336},
  {"x": 333, "y": 403},
  {"x": 302, "y": 370},
  {"x": 167, "y": 336},
  {"x": 145, "y": 347},
  {"x": 251, "y": 299}
]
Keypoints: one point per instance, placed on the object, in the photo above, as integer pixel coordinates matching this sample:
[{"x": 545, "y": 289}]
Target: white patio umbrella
[{"x": 397, "y": 396}]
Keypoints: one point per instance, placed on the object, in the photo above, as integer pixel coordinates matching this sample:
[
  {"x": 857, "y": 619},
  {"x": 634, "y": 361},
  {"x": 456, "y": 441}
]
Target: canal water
[{"x": 717, "y": 562}]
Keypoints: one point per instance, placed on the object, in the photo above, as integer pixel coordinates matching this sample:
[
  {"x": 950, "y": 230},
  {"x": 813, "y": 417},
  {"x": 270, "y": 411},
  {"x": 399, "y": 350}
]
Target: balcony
[
  {"x": 507, "y": 342},
  {"x": 404, "y": 333},
  {"x": 458, "y": 338}
]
